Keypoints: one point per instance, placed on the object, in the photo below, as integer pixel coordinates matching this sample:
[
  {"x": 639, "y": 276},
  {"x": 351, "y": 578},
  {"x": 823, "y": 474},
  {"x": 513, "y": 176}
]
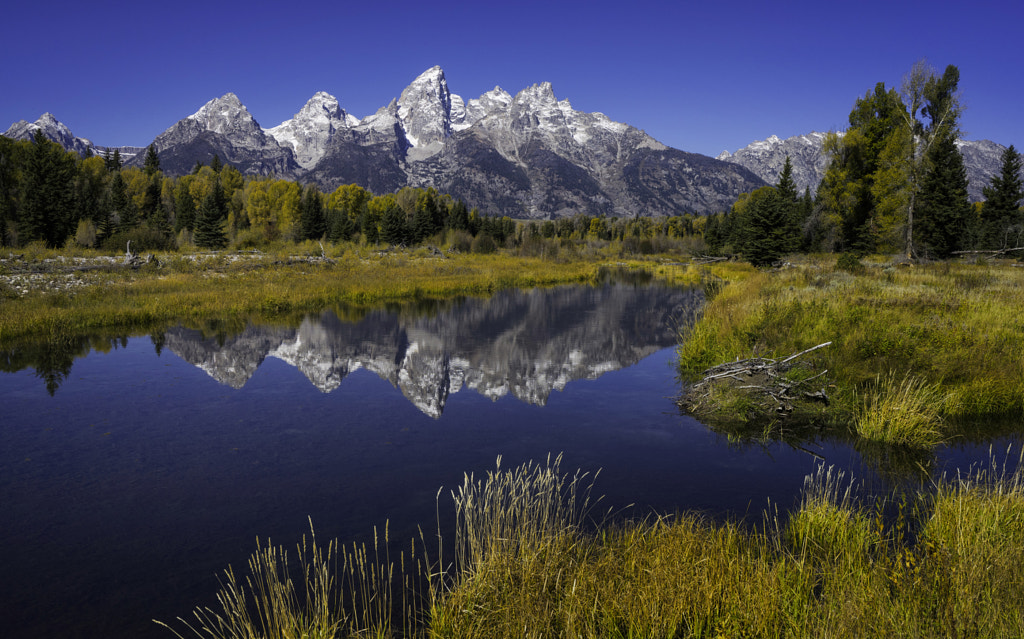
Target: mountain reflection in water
[{"x": 523, "y": 343}]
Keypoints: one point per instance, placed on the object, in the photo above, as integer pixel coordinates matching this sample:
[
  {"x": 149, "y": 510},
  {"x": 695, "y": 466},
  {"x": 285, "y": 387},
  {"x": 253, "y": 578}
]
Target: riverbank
[
  {"x": 917, "y": 353},
  {"x": 50, "y": 294},
  {"x": 527, "y": 562}
]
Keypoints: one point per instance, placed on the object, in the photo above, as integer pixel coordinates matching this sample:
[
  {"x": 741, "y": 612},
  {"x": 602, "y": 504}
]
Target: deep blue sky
[{"x": 700, "y": 76}]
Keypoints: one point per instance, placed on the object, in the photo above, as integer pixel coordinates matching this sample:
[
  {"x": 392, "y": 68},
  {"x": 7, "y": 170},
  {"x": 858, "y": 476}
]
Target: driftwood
[
  {"x": 759, "y": 376},
  {"x": 990, "y": 252}
]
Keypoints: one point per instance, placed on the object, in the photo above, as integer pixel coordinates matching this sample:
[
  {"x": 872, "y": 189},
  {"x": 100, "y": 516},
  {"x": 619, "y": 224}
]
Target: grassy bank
[
  {"x": 915, "y": 349},
  {"x": 236, "y": 288},
  {"x": 527, "y": 564}
]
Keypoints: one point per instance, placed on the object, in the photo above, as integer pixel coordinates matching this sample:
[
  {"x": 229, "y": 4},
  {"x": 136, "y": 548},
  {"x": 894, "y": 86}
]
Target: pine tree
[
  {"x": 458, "y": 217},
  {"x": 1001, "y": 212},
  {"x": 311, "y": 209},
  {"x": 115, "y": 162},
  {"x": 944, "y": 204},
  {"x": 152, "y": 163},
  {"x": 209, "y": 218},
  {"x": 121, "y": 205},
  {"x": 770, "y": 229},
  {"x": 48, "y": 184},
  {"x": 184, "y": 208},
  {"x": 215, "y": 163},
  {"x": 393, "y": 226}
]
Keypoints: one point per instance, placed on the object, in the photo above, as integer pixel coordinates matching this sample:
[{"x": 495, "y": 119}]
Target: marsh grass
[
  {"x": 333, "y": 592},
  {"x": 954, "y": 330},
  {"x": 529, "y": 562},
  {"x": 903, "y": 411},
  {"x": 186, "y": 289}
]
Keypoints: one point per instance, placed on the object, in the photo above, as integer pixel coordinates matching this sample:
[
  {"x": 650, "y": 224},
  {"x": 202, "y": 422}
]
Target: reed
[
  {"x": 903, "y": 411},
  {"x": 527, "y": 564}
]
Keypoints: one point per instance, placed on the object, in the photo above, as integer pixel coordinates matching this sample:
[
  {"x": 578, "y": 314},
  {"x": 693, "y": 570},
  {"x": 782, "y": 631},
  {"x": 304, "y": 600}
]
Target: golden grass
[
  {"x": 180, "y": 290},
  {"x": 955, "y": 328},
  {"x": 526, "y": 565}
]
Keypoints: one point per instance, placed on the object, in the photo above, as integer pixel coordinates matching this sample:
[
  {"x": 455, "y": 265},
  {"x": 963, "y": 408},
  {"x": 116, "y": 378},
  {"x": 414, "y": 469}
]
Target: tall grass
[
  {"x": 340, "y": 591},
  {"x": 903, "y": 411},
  {"x": 526, "y": 565}
]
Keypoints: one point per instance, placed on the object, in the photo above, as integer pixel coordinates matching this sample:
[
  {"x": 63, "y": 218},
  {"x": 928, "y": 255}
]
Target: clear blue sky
[{"x": 700, "y": 76}]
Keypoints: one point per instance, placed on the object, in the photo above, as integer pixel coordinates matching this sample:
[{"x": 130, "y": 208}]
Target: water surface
[{"x": 131, "y": 476}]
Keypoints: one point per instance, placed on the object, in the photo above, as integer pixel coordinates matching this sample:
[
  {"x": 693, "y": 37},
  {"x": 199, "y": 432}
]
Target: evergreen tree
[
  {"x": 786, "y": 187},
  {"x": 771, "y": 234},
  {"x": 152, "y": 163},
  {"x": 48, "y": 185},
  {"x": 1001, "y": 212},
  {"x": 152, "y": 210},
  {"x": 120, "y": 204},
  {"x": 209, "y": 218},
  {"x": 115, "y": 162},
  {"x": 215, "y": 163},
  {"x": 342, "y": 227},
  {"x": 184, "y": 208},
  {"x": 944, "y": 205},
  {"x": 393, "y": 226},
  {"x": 10, "y": 163},
  {"x": 368, "y": 226},
  {"x": 458, "y": 218},
  {"x": 311, "y": 210}
]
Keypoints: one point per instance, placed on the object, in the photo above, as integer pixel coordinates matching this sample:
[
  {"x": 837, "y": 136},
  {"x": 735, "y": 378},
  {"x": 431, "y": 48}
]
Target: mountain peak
[
  {"x": 52, "y": 129},
  {"x": 310, "y": 131},
  {"x": 425, "y": 110}
]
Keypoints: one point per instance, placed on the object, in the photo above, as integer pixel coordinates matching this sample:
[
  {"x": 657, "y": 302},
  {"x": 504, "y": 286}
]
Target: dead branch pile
[{"x": 761, "y": 377}]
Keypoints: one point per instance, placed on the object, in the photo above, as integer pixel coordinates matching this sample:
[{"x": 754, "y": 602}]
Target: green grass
[
  {"x": 529, "y": 562},
  {"x": 188, "y": 290},
  {"x": 953, "y": 333}
]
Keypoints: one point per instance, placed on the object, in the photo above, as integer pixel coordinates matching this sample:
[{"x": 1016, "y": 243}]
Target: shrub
[
  {"x": 850, "y": 263},
  {"x": 143, "y": 238},
  {"x": 483, "y": 243}
]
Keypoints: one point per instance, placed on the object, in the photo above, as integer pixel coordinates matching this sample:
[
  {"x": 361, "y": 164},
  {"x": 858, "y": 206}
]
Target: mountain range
[
  {"x": 765, "y": 158},
  {"x": 526, "y": 156}
]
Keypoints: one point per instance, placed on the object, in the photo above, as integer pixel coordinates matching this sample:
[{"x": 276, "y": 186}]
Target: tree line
[
  {"x": 53, "y": 196},
  {"x": 896, "y": 183}
]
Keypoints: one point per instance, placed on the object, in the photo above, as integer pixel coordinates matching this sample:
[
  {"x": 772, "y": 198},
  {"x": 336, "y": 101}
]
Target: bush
[
  {"x": 483, "y": 244},
  {"x": 85, "y": 235},
  {"x": 850, "y": 263},
  {"x": 143, "y": 238}
]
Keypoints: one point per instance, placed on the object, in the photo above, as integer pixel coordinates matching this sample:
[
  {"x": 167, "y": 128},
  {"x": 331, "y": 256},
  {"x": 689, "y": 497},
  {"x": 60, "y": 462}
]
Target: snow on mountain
[
  {"x": 53, "y": 130},
  {"x": 765, "y": 158},
  {"x": 425, "y": 112},
  {"x": 308, "y": 133}
]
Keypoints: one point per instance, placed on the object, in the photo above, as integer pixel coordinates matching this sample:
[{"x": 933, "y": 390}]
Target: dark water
[{"x": 126, "y": 492}]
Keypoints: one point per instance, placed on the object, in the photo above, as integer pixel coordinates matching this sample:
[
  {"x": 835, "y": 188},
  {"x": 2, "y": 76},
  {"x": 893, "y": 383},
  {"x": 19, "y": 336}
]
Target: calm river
[{"x": 134, "y": 471}]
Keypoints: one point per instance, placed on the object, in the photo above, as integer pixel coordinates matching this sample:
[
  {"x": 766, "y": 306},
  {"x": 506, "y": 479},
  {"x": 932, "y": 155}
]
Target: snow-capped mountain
[
  {"x": 765, "y": 158},
  {"x": 530, "y": 155},
  {"x": 222, "y": 127},
  {"x": 308, "y": 133},
  {"x": 53, "y": 129}
]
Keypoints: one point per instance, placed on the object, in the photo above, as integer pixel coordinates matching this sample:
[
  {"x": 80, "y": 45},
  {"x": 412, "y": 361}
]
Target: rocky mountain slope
[
  {"x": 765, "y": 158},
  {"x": 53, "y": 129},
  {"x": 525, "y": 156}
]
